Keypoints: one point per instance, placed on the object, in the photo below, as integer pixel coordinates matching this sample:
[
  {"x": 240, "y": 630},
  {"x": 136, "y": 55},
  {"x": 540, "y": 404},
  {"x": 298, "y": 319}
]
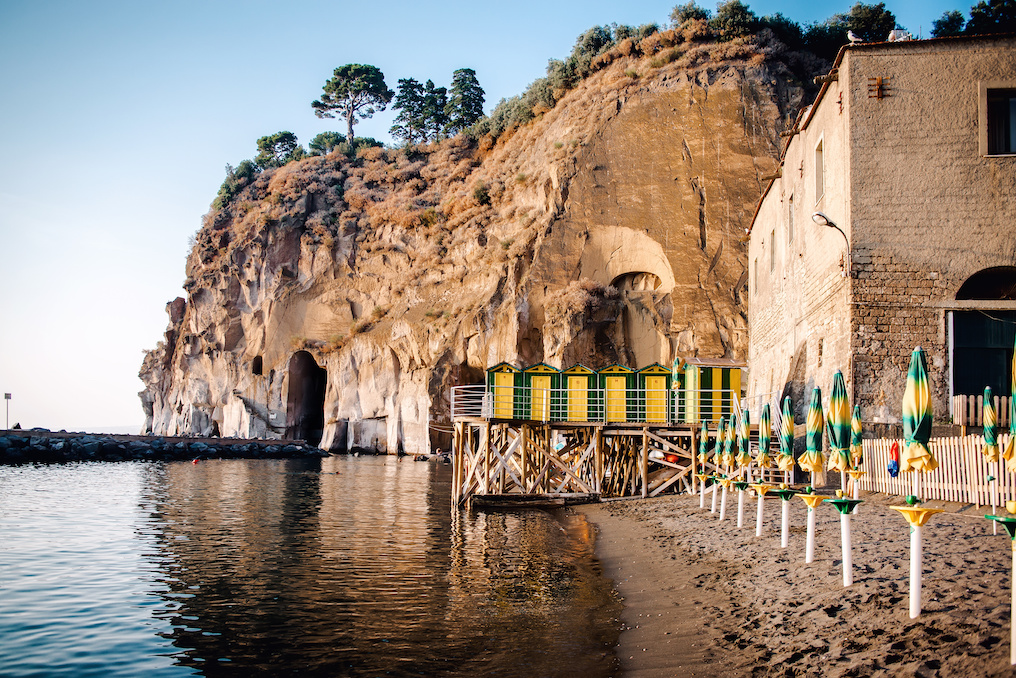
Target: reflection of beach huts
[
  {"x": 617, "y": 382},
  {"x": 711, "y": 389},
  {"x": 542, "y": 384},
  {"x": 503, "y": 380},
  {"x": 580, "y": 394}
]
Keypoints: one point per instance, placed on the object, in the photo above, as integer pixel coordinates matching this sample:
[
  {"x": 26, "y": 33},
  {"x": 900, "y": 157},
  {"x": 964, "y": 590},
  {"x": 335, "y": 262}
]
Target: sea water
[{"x": 336, "y": 567}]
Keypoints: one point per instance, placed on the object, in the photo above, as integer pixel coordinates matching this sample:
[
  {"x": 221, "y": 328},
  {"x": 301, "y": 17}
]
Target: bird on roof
[{"x": 852, "y": 37}]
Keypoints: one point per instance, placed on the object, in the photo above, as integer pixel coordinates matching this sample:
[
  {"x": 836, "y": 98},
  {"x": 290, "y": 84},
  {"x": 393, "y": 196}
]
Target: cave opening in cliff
[{"x": 305, "y": 406}]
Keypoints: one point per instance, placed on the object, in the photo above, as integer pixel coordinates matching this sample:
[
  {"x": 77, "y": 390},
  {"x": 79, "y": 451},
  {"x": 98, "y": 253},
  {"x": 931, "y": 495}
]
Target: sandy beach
[{"x": 705, "y": 598}]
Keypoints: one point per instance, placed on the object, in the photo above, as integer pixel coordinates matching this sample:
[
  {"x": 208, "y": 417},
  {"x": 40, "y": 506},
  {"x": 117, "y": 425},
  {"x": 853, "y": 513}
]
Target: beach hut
[
  {"x": 654, "y": 382},
  {"x": 578, "y": 384},
  {"x": 503, "y": 381},
  {"x": 712, "y": 389},
  {"x": 541, "y": 383},
  {"x": 618, "y": 383}
]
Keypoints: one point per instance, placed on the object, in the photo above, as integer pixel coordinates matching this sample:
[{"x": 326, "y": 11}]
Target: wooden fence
[
  {"x": 969, "y": 410},
  {"x": 962, "y": 473}
]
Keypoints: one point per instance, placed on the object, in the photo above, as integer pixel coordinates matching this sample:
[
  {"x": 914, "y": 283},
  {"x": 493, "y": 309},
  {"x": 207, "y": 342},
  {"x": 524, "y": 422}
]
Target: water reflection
[{"x": 346, "y": 566}]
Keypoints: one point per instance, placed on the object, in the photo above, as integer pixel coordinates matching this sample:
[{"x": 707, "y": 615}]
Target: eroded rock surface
[{"x": 609, "y": 229}]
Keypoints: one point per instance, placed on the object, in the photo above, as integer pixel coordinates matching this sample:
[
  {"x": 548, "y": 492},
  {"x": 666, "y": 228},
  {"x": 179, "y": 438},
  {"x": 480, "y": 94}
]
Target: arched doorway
[
  {"x": 305, "y": 406},
  {"x": 983, "y": 338}
]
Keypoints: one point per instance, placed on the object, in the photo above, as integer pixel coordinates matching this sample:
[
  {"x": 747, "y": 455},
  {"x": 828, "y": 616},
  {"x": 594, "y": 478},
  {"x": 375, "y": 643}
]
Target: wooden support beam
[{"x": 645, "y": 463}]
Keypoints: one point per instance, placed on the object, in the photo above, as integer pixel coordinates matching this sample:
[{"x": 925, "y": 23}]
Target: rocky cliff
[{"x": 341, "y": 298}]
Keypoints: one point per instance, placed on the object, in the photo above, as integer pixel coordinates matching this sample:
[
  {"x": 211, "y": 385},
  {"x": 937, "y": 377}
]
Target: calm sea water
[{"x": 338, "y": 567}]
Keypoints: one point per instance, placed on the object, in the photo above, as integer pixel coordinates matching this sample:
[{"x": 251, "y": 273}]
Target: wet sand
[{"x": 705, "y": 598}]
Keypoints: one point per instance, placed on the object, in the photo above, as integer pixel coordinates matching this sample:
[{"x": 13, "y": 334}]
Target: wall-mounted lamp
[{"x": 822, "y": 220}]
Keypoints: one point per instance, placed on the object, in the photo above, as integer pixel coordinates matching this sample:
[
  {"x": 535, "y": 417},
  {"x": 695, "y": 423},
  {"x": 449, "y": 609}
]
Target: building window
[
  {"x": 790, "y": 219},
  {"x": 772, "y": 250},
  {"x": 996, "y": 117},
  {"x": 1001, "y": 123},
  {"x": 819, "y": 172}
]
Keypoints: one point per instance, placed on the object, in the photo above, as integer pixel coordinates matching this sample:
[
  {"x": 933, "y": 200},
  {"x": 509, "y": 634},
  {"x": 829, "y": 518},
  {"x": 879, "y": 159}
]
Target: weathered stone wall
[
  {"x": 923, "y": 209},
  {"x": 929, "y": 210},
  {"x": 799, "y": 312}
]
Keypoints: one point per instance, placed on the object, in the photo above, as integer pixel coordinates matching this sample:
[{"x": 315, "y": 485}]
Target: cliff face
[{"x": 341, "y": 299}]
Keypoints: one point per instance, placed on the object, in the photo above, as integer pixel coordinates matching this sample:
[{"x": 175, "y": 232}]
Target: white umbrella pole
[
  {"x": 848, "y": 558},
  {"x": 857, "y": 492},
  {"x": 917, "y": 484},
  {"x": 723, "y": 502},
  {"x": 915, "y": 572},
  {"x": 809, "y": 548},
  {"x": 994, "y": 499},
  {"x": 785, "y": 525},
  {"x": 740, "y": 508},
  {"x": 713, "y": 509},
  {"x": 843, "y": 482},
  {"x": 702, "y": 494},
  {"x": 758, "y": 515}
]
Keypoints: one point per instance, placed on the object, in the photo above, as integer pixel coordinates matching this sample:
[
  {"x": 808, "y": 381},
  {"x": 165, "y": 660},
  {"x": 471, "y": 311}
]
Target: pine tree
[
  {"x": 435, "y": 101},
  {"x": 354, "y": 91},
  {"x": 410, "y": 123},
  {"x": 465, "y": 103}
]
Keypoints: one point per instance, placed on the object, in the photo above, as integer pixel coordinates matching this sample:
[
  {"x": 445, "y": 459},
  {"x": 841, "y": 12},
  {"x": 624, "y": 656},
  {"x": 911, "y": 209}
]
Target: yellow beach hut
[
  {"x": 617, "y": 382},
  {"x": 579, "y": 385},
  {"x": 654, "y": 386},
  {"x": 503, "y": 381},
  {"x": 541, "y": 383}
]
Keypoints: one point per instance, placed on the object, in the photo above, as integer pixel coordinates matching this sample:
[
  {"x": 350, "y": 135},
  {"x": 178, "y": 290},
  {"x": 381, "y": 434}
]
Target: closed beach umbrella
[
  {"x": 744, "y": 441},
  {"x": 765, "y": 434},
  {"x": 917, "y": 418},
  {"x": 990, "y": 448},
  {"x": 703, "y": 457},
  {"x": 785, "y": 460},
  {"x": 721, "y": 432},
  {"x": 916, "y": 458},
  {"x": 1009, "y": 453},
  {"x": 856, "y": 451},
  {"x": 838, "y": 421},
  {"x": 728, "y": 443},
  {"x": 812, "y": 458}
]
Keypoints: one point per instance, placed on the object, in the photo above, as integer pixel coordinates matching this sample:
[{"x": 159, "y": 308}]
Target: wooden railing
[
  {"x": 962, "y": 473},
  {"x": 969, "y": 410}
]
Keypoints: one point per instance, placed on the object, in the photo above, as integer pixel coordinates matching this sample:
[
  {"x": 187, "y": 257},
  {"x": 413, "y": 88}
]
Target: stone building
[{"x": 891, "y": 223}]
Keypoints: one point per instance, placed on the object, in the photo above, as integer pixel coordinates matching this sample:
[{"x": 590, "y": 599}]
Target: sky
[{"x": 117, "y": 120}]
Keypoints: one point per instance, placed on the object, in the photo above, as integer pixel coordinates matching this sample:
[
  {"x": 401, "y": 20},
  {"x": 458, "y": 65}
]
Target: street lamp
[{"x": 822, "y": 220}]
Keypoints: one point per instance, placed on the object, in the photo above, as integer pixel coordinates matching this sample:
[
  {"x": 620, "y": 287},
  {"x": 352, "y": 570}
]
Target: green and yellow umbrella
[
  {"x": 838, "y": 422},
  {"x": 856, "y": 451},
  {"x": 721, "y": 432},
  {"x": 812, "y": 458},
  {"x": 990, "y": 449},
  {"x": 728, "y": 443},
  {"x": 744, "y": 441},
  {"x": 785, "y": 460},
  {"x": 703, "y": 446},
  {"x": 917, "y": 417},
  {"x": 765, "y": 434},
  {"x": 1009, "y": 453}
]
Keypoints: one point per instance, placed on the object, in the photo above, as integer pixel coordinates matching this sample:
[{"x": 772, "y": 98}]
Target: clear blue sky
[{"x": 117, "y": 119}]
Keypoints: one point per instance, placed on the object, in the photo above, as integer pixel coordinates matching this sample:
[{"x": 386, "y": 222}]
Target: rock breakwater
[{"x": 38, "y": 446}]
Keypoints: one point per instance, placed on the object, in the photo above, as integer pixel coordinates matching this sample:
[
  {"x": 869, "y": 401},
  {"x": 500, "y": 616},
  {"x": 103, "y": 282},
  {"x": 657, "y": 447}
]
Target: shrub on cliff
[{"x": 236, "y": 179}]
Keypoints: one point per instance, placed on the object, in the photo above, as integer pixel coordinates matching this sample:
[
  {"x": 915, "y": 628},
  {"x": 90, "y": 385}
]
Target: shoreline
[{"x": 707, "y": 598}]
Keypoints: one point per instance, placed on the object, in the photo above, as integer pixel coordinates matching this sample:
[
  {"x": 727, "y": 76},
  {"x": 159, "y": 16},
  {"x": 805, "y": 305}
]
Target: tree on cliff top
[
  {"x": 354, "y": 91},
  {"x": 465, "y": 103},
  {"x": 409, "y": 102},
  {"x": 275, "y": 150}
]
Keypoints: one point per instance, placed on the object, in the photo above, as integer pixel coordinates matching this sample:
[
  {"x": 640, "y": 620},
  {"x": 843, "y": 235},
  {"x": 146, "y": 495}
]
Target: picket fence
[
  {"x": 968, "y": 410},
  {"x": 962, "y": 473}
]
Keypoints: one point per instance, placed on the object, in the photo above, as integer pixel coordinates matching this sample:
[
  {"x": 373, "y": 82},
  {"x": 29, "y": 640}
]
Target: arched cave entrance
[
  {"x": 983, "y": 338},
  {"x": 305, "y": 407}
]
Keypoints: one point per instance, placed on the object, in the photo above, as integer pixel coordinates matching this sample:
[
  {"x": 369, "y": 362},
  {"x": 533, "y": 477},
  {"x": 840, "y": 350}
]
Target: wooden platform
[{"x": 514, "y": 458}]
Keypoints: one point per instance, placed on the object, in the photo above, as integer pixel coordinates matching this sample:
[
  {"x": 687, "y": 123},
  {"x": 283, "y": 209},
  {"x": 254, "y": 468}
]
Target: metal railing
[{"x": 596, "y": 405}]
